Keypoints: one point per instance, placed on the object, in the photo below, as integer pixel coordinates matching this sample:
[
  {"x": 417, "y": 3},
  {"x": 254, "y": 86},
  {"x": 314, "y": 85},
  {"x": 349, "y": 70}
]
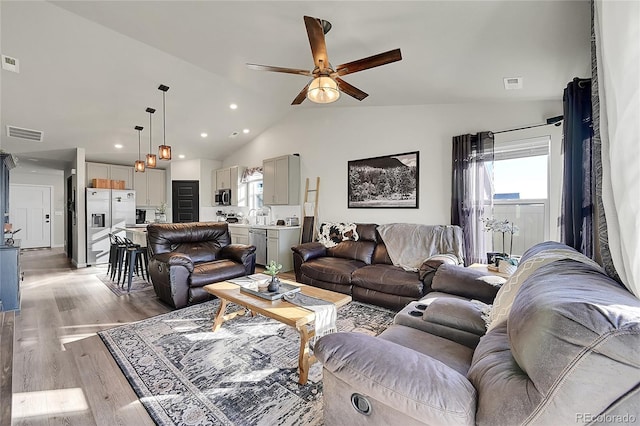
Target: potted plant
[
  {"x": 273, "y": 268},
  {"x": 502, "y": 226}
]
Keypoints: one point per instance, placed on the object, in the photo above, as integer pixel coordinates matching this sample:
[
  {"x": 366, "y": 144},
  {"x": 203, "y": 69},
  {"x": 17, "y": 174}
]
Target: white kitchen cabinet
[
  {"x": 110, "y": 172},
  {"x": 229, "y": 178},
  {"x": 150, "y": 187},
  {"x": 223, "y": 178},
  {"x": 279, "y": 243},
  {"x": 239, "y": 234},
  {"x": 281, "y": 180}
]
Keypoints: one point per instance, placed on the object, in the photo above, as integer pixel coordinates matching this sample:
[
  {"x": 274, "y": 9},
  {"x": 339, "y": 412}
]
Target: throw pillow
[{"x": 332, "y": 233}]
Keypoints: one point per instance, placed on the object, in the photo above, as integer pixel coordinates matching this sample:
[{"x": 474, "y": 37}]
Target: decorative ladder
[{"x": 309, "y": 231}]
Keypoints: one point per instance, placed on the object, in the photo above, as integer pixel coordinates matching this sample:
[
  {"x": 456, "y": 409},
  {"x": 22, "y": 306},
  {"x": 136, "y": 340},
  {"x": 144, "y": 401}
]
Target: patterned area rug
[
  {"x": 137, "y": 283},
  {"x": 244, "y": 374}
]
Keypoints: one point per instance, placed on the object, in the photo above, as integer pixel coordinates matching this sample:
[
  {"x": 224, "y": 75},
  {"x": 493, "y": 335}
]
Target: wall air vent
[
  {"x": 22, "y": 133},
  {"x": 10, "y": 64},
  {"x": 512, "y": 83}
]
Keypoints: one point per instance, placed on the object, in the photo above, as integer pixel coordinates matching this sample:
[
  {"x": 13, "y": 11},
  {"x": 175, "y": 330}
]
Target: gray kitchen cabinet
[
  {"x": 279, "y": 243},
  {"x": 150, "y": 187},
  {"x": 109, "y": 172},
  {"x": 229, "y": 178},
  {"x": 281, "y": 180},
  {"x": 10, "y": 277}
]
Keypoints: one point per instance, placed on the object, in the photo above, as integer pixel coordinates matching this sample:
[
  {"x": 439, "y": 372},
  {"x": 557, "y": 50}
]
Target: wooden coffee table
[{"x": 279, "y": 310}]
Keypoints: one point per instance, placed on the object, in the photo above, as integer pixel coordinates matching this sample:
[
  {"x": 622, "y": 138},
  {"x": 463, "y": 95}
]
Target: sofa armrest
[
  {"x": 413, "y": 383},
  {"x": 308, "y": 251},
  {"x": 175, "y": 259},
  {"x": 237, "y": 252},
  {"x": 466, "y": 282},
  {"x": 457, "y": 314}
]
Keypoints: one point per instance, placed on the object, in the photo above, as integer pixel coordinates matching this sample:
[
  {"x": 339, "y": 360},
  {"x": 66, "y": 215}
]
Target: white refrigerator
[{"x": 108, "y": 211}]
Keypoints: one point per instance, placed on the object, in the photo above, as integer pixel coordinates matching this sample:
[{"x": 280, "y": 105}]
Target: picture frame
[{"x": 389, "y": 181}]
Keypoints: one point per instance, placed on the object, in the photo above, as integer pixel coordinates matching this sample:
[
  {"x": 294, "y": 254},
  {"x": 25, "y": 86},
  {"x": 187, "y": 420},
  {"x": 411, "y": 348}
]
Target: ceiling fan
[{"x": 326, "y": 85}]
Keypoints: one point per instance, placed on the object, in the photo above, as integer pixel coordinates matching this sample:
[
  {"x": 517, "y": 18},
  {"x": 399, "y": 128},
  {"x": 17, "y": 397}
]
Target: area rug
[
  {"x": 137, "y": 284},
  {"x": 243, "y": 374}
]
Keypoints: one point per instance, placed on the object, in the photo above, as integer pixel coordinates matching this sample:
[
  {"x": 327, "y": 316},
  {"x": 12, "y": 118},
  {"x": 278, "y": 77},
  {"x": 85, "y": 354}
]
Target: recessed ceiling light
[
  {"x": 119, "y": 146},
  {"x": 233, "y": 106},
  {"x": 203, "y": 135},
  {"x": 181, "y": 156},
  {"x": 245, "y": 131}
]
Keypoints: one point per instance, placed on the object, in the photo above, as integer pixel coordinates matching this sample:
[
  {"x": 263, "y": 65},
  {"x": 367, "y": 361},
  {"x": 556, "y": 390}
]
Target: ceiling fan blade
[
  {"x": 301, "y": 96},
  {"x": 315, "y": 32},
  {"x": 350, "y": 90},
  {"x": 278, "y": 69},
  {"x": 370, "y": 62}
]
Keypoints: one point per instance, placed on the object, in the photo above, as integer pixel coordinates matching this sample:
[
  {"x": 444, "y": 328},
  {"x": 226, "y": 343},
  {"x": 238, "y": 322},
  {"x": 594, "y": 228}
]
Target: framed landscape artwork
[{"x": 390, "y": 181}]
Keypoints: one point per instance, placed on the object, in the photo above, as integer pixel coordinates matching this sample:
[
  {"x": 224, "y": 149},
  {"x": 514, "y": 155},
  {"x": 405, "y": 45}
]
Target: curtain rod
[{"x": 556, "y": 121}]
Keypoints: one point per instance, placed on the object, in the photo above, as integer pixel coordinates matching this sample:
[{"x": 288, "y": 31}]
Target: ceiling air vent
[
  {"x": 513, "y": 83},
  {"x": 19, "y": 132}
]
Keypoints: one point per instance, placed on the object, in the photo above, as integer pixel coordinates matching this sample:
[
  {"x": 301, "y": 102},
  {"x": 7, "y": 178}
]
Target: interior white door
[{"x": 30, "y": 211}]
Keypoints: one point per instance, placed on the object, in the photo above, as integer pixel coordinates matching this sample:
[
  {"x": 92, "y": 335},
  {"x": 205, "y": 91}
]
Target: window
[{"x": 521, "y": 191}]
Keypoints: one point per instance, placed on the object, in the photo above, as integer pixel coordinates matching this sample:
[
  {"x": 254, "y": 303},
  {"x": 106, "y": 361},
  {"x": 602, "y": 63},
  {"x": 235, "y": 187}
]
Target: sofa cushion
[
  {"x": 201, "y": 251},
  {"x": 388, "y": 279},
  {"x": 358, "y": 250},
  {"x": 466, "y": 282},
  {"x": 216, "y": 271},
  {"x": 331, "y": 269},
  {"x": 452, "y": 354}
]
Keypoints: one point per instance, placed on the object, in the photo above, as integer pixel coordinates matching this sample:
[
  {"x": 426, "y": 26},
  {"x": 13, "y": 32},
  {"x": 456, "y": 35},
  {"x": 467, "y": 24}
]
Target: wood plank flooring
[{"x": 62, "y": 374}]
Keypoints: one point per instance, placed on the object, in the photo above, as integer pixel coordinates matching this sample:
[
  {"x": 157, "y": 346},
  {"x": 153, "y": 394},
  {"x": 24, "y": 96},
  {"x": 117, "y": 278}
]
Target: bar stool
[
  {"x": 135, "y": 258},
  {"x": 116, "y": 255}
]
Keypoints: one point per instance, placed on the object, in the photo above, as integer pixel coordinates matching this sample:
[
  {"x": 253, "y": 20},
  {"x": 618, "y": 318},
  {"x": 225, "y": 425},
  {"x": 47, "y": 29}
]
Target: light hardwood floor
[{"x": 62, "y": 374}]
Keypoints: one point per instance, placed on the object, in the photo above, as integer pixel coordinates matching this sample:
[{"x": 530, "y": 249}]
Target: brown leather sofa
[
  {"x": 184, "y": 257},
  {"x": 362, "y": 269}
]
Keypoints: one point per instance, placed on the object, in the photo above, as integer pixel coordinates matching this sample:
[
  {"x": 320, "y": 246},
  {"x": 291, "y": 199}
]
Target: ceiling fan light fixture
[{"x": 323, "y": 90}]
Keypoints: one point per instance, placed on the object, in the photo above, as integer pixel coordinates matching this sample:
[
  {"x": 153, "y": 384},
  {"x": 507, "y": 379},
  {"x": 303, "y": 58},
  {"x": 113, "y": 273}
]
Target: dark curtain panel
[
  {"x": 578, "y": 181},
  {"x": 471, "y": 191}
]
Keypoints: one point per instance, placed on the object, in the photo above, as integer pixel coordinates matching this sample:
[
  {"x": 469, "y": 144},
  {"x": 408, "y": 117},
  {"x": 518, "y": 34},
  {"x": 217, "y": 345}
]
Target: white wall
[{"x": 326, "y": 137}]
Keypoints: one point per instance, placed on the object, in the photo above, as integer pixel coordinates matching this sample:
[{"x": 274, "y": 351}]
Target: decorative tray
[
  {"x": 275, "y": 295},
  {"x": 249, "y": 284}
]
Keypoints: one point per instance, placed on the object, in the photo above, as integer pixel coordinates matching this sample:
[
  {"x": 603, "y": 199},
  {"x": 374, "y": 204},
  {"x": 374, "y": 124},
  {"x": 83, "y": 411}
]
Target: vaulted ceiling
[{"x": 89, "y": 69}]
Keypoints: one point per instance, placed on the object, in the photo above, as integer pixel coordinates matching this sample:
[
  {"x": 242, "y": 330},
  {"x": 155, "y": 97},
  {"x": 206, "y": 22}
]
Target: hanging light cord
[
  {"x": 150, "y": 131},
  {"x": 164, "y": 121},
  {"x": 138, "y": 145}
]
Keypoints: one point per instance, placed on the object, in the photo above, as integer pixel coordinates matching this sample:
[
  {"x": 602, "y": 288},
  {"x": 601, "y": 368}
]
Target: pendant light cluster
[{"x": 164, "y": 150}]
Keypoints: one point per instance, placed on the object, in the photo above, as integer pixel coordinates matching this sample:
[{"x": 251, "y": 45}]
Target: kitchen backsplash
[{"x": 277, "y": 212}]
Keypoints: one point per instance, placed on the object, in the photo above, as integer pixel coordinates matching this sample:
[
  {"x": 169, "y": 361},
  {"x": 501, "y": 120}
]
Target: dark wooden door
[{"x": 185, "y": 196}]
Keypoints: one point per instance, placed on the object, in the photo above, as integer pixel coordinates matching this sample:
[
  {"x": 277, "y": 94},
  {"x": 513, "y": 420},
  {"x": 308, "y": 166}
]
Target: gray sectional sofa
[{"x": 562, "y": 347}]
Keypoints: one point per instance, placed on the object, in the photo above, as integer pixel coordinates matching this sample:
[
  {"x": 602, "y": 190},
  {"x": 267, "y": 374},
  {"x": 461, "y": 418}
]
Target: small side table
[{"x": 484, "y": 268}]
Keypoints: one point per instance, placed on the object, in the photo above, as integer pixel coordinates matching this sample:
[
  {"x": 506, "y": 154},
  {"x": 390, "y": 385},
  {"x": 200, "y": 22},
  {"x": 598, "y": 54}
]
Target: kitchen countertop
[{"x": 246, "y": 225}]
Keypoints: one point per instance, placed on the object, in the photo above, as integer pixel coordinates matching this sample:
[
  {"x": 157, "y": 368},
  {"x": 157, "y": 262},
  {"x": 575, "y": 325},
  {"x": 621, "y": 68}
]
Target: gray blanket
[{"x": 409, "y": 245}]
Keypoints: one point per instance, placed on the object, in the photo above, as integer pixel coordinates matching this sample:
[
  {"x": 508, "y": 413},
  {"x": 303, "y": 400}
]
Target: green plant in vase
[{"x": 273, "y": 268}]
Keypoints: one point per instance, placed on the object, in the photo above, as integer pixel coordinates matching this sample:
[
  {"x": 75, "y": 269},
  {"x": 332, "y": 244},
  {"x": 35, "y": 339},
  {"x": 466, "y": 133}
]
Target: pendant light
[
  {"x": 139, "y": 166},
  {"x": 164, "y": 150},
  {"x": 151, "y": 158}
]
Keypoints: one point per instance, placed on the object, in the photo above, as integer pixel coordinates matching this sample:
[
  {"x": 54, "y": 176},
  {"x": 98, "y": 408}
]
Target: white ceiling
[{"x": 89, "y": 69}]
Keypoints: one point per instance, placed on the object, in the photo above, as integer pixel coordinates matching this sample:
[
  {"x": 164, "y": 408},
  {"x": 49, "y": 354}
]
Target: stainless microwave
[{"x": 223, "y": 197}]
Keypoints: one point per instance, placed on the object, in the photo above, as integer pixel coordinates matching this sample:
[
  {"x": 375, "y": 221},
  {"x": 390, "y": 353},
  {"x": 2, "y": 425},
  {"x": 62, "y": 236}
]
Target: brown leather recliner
[{"x": 184, "y": 257}]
